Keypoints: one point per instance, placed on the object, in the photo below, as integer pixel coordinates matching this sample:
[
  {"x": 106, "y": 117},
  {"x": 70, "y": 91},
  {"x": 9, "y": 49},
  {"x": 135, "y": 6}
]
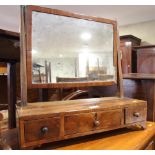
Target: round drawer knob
[
  {"x": 136, "y": 114},
  {"x": 44, "y": 129},
  {"x": 97, "y": 123}
]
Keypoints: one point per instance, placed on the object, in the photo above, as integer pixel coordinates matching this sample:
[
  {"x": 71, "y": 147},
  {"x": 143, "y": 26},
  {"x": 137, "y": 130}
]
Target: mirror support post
[
  {"x": 119, "y": 70},
  {"x": 23, "y": 74}
]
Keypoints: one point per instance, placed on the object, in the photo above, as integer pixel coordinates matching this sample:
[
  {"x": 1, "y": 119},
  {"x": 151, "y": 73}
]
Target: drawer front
[
  {"x": 78, "y": 123},
  {"x": 42, "y": 129},
  {"x": 110, "y": 119},
  {"x": 135, "y": 114},
  {"x": 85, "y": 122}
]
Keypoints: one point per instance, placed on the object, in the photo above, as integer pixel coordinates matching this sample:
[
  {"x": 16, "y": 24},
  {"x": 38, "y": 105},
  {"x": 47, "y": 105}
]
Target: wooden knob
[
  {"x": 44, "y": 130},
  {"x": 97, "y": 123},
  {"x": 136, "y": 114}
]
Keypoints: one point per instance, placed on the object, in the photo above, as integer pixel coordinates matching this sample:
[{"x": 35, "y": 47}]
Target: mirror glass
[{"x": 67, "y": 49}]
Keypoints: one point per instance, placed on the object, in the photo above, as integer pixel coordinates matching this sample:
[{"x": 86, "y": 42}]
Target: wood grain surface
[
  {"x": 72, "y": 106},
  {"x": 45, "y": 122}
]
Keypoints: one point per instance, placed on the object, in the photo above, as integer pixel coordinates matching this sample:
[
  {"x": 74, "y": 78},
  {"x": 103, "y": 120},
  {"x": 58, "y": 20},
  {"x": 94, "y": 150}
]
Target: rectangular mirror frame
[{"x": 28, "y": 48}]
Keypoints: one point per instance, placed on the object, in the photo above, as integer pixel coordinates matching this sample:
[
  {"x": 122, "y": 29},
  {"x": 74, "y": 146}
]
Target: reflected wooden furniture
[
  {"x": 120, "y": 139},
  {"x": 67, "y": 79},
  {"x": 141, "y": 86},
  {"x": 38, "y": 77},
  {"x": 129, "y": 57},
  {"x": 54, "y": 121}
]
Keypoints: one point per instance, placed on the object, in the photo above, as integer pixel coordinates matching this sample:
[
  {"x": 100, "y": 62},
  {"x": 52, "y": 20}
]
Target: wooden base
[{"x": 41, "y": 123}]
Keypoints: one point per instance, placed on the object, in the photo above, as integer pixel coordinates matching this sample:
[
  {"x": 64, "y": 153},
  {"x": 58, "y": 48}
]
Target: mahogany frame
[{"x": 28, "y": 48}]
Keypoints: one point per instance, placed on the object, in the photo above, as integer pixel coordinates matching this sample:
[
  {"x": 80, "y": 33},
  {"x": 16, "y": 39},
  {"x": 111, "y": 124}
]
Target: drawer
[
  {"x": 42, "y": 129},
  {"x": 78, "y": 123},
  {"x": 86, "y": 122},
  {"x": 135, "y": 114}
]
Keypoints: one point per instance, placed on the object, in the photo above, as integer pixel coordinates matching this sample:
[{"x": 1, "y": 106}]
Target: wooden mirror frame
[{"x": 27, "y": 48}]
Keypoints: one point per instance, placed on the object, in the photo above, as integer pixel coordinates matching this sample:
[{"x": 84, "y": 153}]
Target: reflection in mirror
[{"x": 66, "y": 49}]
